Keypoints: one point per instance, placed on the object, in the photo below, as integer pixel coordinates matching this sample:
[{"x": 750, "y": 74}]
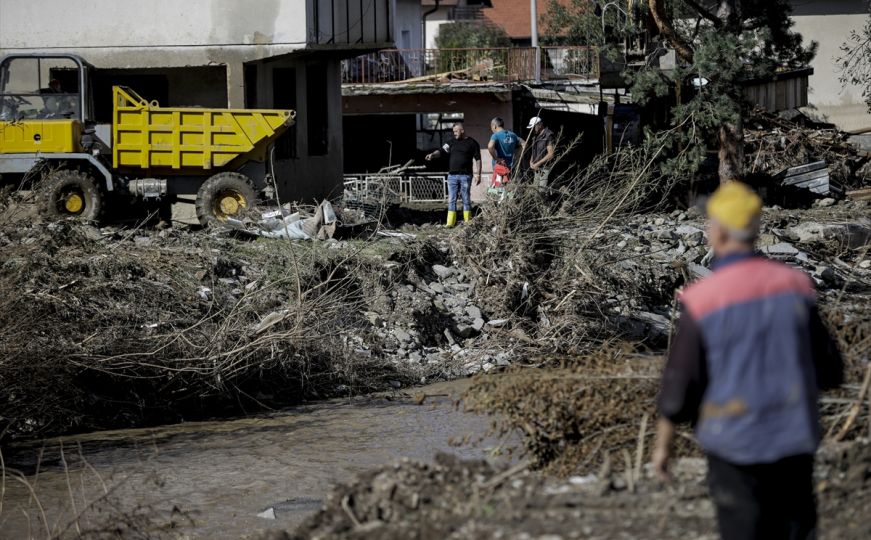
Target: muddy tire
[
  {"x": 72, "y": 194},
  {"x": 224, "y": 195}
]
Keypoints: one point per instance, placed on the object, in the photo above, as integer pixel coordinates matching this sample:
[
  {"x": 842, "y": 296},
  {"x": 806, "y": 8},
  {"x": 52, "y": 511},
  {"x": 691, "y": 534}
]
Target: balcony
[{"x": 502, "y": 65}]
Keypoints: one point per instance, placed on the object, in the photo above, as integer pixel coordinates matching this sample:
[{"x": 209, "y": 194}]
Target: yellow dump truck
[{"x": 49, "y": 132}]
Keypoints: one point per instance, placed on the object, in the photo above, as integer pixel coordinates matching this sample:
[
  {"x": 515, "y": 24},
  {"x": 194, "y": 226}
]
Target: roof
[
  {"x": 513, "y": 16},
  {"x": 399, "y": 88}
]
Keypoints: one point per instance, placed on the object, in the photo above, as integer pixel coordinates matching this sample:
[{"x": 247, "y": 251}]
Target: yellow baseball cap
[{"x": 735, "y": 206}]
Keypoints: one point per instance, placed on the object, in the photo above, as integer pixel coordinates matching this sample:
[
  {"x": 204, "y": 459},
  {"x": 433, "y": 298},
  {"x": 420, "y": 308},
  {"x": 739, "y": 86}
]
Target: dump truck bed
[{"x": 190, "y": 140}]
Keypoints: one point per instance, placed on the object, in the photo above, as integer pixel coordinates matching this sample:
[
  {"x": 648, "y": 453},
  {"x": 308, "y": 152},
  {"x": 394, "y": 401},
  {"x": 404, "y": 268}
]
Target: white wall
[
  {"x": 165, "y": 33},
  {"x": 433, "y": 22},
  {"x": 407, "y": 19},
  {"x": 829, "y": 22}
]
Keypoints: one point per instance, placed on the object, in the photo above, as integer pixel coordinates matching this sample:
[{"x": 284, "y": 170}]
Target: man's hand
[
  {"x": 533, "y": 166},
  {"x": 428, "y": 157},
  {"x": 477, "y": 179},
  {"x": 662, "y": 448}
]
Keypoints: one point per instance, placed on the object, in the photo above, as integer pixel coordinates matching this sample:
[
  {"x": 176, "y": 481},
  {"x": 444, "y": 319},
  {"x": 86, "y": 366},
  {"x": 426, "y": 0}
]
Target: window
[
  {"x": 39, "y": 88},
  {"x": 316, "y": 110},
  {"x": 284, "y": 97}
]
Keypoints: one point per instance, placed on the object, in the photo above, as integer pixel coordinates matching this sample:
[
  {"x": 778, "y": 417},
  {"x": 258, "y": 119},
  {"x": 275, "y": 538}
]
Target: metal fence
[
  {"x": 372, "y": 191},
  {"x": 501, "y": 64}
]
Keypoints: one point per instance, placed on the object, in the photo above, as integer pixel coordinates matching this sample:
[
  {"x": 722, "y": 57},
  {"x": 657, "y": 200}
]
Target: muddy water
[{"x": 222, "y": 474}]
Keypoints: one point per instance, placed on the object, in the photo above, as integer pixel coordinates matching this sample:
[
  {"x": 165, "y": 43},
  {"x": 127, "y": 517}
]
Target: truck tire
[
  {"x": 224, "y": 195},
  {"x": 68, "y": 193}
]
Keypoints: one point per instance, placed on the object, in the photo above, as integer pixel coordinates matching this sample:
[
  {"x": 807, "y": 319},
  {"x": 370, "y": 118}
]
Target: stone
[
  {"x": 497, "y": 323},
  {"x": 415, "y": 357},
  {"x": 865, "y": 264},
  {"x": 269, "y": 513},
  {"x": 659, "y": 221},
  {"x": 487, "y": 366},
  {"x": 442, "y": 272},
  {"x": 465, "y": 331},
  {"x": 142, "y": 241},
  {"x": 828, "y": 201},
  {"x": 401, "y": 335},
  {"x": 478, "y": 324},
  {"x": 474, "y": 312},
  {"x": 665, "y": 234},
  {"x": 621, "y": 244},
  {"x": 437, "y": 287},
  {"x": 781, "y": 248}
]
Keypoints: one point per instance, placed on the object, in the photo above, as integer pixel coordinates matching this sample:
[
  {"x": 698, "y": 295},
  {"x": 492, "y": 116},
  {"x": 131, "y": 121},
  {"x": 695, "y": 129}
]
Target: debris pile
[
  {"x": 773, "y": 144},
  {"x": 470, "y": 499}
]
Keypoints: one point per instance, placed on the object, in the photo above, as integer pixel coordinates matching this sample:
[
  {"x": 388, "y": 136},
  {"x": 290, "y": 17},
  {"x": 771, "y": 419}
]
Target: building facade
[{"x": 221, "y": 53}]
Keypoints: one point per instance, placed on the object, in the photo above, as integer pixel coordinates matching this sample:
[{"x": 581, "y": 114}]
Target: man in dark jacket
[
  {"x": 464, "y": 156},
  {"x": 748, "y": 359}
]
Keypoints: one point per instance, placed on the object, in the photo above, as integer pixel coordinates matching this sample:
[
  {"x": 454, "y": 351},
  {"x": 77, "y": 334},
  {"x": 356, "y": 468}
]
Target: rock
[
  {"x": 373, "y": 318},
  {"x": 487, "y": 366},
  {"x": 621, "y": 244},
  {"x": 659, "y": 221},
  {"x": 450, "y": 338},
  {"x": 474, "y": 312},
  {"x": 401, "y": 335},
  {"x": 497, "y": 323},
  {"x": 415, "y": 357},
  {"x": 682, "y": 216},
  {"x": 269, "y": 513},
  {"x": 142, "y": 241},
  {"x": 695, "y": 239},
  {"x": 698, "y": 270},
  {"x": 465, "y": 331},
  {"x": 782, "y": 248},
  {"x": 828, "y": 201},
  {"x": 695, "y": 212},
  {"x": 865, "y": 264},
  {"x": 665, "y": 234},
  {"x": 437, "y": 287},
  {"x": 442, "y": 272},
  {"x": 478, "y": 324}
]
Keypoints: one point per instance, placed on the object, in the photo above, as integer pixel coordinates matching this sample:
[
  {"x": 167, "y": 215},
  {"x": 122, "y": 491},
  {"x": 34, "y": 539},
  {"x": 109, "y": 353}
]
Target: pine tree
[{"x": 718, "y": 42}]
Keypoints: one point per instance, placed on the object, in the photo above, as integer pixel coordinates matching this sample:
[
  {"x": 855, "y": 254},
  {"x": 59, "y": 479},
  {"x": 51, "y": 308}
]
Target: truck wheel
[
  {"x": 224, "y": 195},
  {"x": 72, "y": 194}
]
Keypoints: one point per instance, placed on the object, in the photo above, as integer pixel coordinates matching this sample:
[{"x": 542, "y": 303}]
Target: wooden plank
[
  {"x": 860, "y": 194},
  {"x": 801, "y": 169}
]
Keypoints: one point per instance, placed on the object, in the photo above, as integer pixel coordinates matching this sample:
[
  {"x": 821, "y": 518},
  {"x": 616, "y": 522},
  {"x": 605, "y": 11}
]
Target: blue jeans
[{"x": 463, "y": 184}]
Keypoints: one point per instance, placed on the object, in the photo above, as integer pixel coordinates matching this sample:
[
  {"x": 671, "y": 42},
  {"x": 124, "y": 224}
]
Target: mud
[{"x": 459, "y": 499}]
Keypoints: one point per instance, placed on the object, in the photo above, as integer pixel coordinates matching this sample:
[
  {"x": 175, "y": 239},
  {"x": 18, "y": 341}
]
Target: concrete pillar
[{"x": 236, "y": 85}]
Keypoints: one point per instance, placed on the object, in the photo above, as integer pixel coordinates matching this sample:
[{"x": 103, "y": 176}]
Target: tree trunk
[{"x": 731, "y": 152}]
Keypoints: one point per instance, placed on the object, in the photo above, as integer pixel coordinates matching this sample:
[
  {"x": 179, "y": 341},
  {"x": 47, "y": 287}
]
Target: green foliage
[
  {"x": 467, "y": 35},
  {"x": 855, "y": 62},
  {"x": 725, "y": 53}
]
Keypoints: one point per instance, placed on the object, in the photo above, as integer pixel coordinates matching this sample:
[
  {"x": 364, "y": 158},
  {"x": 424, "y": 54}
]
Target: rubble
[{"x": 472, "y": 499}]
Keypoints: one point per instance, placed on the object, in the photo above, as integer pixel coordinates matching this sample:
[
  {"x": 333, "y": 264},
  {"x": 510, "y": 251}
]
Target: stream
[{"x": 218, "y": 476}]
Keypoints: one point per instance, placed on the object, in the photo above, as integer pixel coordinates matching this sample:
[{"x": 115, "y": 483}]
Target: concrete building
[
  {"x": 829, "y": 23},
  {"x": 221, "y": 53}
]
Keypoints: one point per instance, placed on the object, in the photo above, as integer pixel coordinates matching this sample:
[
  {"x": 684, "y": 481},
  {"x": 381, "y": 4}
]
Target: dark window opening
[
  {"x": 249, "y": 74},
  {"x": 317, "y": 113},
  {"x": 284, "y": 97}
]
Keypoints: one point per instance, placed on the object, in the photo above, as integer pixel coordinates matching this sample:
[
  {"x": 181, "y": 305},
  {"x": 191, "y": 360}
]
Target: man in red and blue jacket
[{"x": 748, "y": 359}]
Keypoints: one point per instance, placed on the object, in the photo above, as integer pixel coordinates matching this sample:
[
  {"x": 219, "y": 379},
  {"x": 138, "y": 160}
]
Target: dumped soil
[{"x": 471, "y": 499}]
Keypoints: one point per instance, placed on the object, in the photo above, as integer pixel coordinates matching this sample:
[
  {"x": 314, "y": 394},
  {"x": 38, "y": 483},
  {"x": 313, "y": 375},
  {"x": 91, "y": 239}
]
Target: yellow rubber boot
[
  {"x": 452, "y": 219},
  {"x": 467, "y": 215}
]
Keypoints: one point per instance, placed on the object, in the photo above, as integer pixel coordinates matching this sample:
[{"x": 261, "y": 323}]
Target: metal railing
[
  {"x": 501, "y": 64},
  {"x": 379, "y": 190}
]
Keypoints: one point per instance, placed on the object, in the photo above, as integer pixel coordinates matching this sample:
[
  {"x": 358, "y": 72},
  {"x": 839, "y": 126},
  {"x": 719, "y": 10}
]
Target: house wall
[
  {"x": 477, "y": 109},
  {"x": 408, "y": 27},
  {"x": 305, "y": 177},
  {"x": 829, "y": 22},
  {"x": 433, "y": 22}
]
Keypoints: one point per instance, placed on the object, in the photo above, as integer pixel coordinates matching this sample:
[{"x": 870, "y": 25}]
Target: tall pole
[{"x": 533, "y": 21}]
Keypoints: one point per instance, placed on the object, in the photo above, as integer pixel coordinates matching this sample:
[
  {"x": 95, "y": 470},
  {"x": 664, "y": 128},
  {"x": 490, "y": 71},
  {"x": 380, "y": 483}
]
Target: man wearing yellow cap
[{"x": 748, "y": 359}]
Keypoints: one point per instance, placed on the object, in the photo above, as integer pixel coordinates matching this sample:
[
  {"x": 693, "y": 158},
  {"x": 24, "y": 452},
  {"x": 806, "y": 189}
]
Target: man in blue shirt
[{"x": 503, "y": 143}]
